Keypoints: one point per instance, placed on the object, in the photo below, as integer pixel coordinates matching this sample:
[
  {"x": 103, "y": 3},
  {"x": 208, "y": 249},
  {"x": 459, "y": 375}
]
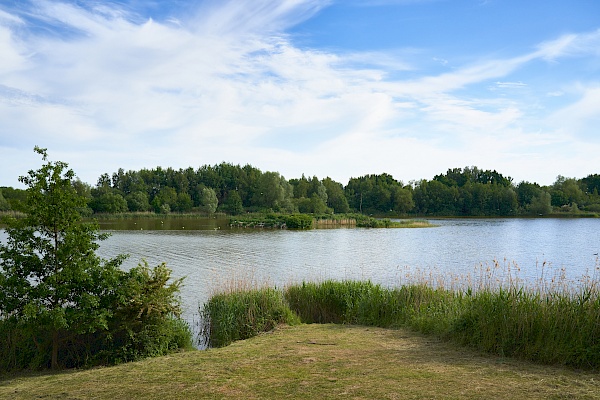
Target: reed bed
[
  {"x": 552, "y": 321},
  {"x": 241, "y": 314}
]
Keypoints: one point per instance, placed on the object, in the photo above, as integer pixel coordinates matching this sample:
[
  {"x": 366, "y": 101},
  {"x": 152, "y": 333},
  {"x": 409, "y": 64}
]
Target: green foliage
[
  {"x": 239, "y": 315},
  {"x": 233, "y": 203},
  {"x": 554, "y": 328},
  {"x": 137, "y": 201},
  {"x": 164, "y": 200},
  {"x": 145, "y": 321},
  {"x": 49, "y": 272},
  {"x": 468, "y": 191},
  {"x": 540, "y": 204},
  {"x": 183, "y": 203},
  {"x": 299, "y": 221},
  {"x": 375, "y": 194},
  {"x": 15, "y": 198},
  {"x": 209, "y": 201},
  {"x": 61, "y": 305},
  {"x": 143, "y": 309},
  {"x": 111, "y": 203},
  {"x": 336, "y": 199},
  {"x": 4, "y": 205}
]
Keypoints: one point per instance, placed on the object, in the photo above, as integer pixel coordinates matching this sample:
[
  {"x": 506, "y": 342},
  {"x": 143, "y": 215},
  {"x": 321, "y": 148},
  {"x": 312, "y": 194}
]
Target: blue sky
[{"x": 320, "y": 87}]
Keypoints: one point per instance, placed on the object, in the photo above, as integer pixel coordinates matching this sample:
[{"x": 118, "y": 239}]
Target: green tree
[
  {"x": 164, "y": 200},
  {"x": 541, "y": 204},
  {"x": 4, "y": 205},
  {"x": 50, "y": 275},
  {"x": 318, "y": 206},
  {"x": 109, "y": 203},
  {"x": 15, "y": 197},
  {"x": 336, "y": 198},
  {"x": 233, "y": 203},
  {"x": 273, "y": 192},
  {"x": 137, "y": 201},
  {"x": 402, "y": 200},
  {"x": 209, "y": 201},
  {"x": 184, "y": 203}
]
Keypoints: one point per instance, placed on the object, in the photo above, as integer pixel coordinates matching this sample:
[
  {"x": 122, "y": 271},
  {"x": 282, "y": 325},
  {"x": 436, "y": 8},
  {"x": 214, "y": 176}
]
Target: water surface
[{"x": 210, "y": 257}]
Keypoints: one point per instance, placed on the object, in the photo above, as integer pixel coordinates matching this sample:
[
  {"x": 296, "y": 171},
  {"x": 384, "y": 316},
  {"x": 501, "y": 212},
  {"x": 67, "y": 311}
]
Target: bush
[
  {"x": 299, "y": 221},
  {"x": 144, "y": 323},
  {"x": 146, "y": 319}
]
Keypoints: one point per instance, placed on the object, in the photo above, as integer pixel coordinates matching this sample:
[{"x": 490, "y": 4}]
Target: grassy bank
[
  {"x": 548, "y": 327},
  {"x": 316, "y": 361}
]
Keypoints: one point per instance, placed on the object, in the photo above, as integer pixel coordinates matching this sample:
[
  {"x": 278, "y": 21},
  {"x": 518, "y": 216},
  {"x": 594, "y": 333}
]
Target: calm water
[{"x": 211, "y": 257}]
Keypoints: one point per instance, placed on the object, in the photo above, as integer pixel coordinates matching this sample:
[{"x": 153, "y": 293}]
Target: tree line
[{"x": 235, "y": 189}]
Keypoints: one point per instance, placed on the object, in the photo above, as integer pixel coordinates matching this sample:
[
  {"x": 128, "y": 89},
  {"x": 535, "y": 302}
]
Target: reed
[
  {"x": 241, "y": 314},
  {"x": 552, "y": 321}
]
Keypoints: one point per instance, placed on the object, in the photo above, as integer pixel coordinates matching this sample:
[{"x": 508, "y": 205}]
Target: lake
[{"x": 210, "y": 255}]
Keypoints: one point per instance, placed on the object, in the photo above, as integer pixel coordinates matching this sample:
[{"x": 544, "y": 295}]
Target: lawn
[{"x": 316, "y": 361}]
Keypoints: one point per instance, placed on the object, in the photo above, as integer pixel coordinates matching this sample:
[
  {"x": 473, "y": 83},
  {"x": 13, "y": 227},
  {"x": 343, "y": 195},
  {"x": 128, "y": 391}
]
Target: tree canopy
[{"x": 468, "y": 191}]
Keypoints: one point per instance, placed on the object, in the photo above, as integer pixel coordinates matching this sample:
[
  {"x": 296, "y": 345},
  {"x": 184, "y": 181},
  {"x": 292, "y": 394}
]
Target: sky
[{"x": 326, "y": 88}]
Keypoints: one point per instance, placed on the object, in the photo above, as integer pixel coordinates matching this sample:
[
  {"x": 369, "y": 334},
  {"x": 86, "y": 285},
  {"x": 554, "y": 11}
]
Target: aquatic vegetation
[{"x": 551, "y": 322}]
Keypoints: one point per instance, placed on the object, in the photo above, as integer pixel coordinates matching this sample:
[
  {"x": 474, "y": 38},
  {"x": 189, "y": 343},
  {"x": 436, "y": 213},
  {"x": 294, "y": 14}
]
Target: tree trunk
[{"x": 54, "y": 364}]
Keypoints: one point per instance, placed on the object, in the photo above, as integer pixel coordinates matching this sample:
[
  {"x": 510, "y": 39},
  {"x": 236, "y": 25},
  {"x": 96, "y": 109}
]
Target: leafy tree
[
  {"x": 318, "y": 206},
  {"x": 4, "y": 205},
  {"x": 526, "y": 191},
  {"x": 137, "y": 201},
  {"x": 335, "y": 196},
  {"x": 209, "y": 201},
  {"x": 109, "y": 203},
  {"x": 591, "y": 183},
  {"x": 49, "y": 272},
  {"x": 273, "y": 192},
  {"x": 301, "y": 187},
  {"x": 15, "y": 197},
  {"x": 402, "y": 200},
  {"x": 304, "y": 205},
  {"x": 541, "y": 204},
  {"x": 183, "y": 203},
  {"x": 164, "y": 200},
  {"x": 233, "y": 203}
]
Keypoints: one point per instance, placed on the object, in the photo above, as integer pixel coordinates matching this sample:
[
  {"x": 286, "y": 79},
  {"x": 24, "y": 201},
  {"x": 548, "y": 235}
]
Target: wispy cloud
[
  {"x": 111, "y": 88},
  {"x": 570, "y": 45}
]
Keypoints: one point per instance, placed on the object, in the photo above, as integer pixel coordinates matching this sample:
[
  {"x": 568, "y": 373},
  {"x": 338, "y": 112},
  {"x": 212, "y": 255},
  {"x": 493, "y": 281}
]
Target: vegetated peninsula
[{"x": 236, "y": 190}]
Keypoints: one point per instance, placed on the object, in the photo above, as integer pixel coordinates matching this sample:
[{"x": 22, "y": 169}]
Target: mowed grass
[{"x": 316, "y": 361}]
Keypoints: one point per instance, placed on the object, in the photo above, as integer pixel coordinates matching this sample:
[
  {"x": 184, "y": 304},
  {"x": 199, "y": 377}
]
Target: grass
[
  {"x": 240, "y": 314},
  {"x": 553, "y": 323},
  {"x": 318, "y": 360}
]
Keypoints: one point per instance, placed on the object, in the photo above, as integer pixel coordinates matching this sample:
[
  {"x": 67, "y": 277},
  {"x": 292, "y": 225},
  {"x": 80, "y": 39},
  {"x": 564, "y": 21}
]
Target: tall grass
[
  {"x": 555, "y": 321},
  {"x": 241, "y": 314}
]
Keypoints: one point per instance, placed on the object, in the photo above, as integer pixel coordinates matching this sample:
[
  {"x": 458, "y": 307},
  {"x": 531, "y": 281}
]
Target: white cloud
[
  {"x": 227, "y": 84},
  {"x": 582, "y": 117},
  {"x": 570, "y": 45},
  {"x": 510, "y": 85}
]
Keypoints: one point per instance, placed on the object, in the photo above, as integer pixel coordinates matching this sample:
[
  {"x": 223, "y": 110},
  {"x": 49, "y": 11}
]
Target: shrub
[{"x": 299, "y": 221}]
